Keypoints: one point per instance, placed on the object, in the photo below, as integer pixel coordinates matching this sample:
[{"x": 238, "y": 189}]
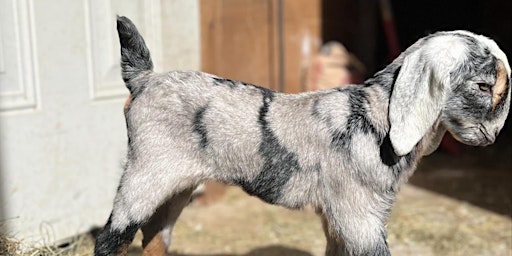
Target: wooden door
[{"x": 265, "y": 42}]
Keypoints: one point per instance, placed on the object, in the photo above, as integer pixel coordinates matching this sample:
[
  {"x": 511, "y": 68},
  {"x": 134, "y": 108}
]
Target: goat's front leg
[
  {"x": 350, "y": 233},
  {"x": 334, "y": 247}
]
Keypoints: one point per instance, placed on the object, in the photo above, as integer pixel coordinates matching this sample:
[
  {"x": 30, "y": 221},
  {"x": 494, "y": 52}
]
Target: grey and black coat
[{"x": 344, "y": 151}]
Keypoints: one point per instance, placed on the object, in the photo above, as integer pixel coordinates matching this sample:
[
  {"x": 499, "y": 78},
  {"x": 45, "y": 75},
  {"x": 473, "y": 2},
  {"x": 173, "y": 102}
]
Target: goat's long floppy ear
[{"x": 416, "y": 100}]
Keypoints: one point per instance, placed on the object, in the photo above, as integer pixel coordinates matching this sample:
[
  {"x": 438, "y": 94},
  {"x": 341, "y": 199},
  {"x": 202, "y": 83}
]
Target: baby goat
[{"x": 345, "y": 151}]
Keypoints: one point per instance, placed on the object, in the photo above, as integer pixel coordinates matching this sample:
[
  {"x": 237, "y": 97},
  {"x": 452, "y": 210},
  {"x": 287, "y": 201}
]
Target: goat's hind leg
[
  {"x": 122, "y": 224},
  {"x": 141, "y": 193},
  {"x": 158, "y": 231},
  {"x": 114, "y": 241}
]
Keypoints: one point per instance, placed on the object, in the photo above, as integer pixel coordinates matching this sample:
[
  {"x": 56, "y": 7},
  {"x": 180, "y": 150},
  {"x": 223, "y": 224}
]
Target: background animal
[{"x": 345, "y": 151}]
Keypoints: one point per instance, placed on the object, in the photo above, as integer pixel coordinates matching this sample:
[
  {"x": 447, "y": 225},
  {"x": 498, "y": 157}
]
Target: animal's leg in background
[
  {"x": 158, "y": 231},
  {"x": 211, "y": 192}
]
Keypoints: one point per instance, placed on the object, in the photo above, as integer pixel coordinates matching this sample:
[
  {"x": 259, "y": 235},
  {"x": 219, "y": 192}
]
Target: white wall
[
  {"x": 62, "y": 133},
  {"x": 181, "y": 35}
]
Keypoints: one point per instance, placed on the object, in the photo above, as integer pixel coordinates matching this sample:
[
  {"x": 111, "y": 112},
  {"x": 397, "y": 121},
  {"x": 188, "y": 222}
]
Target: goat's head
[{"x": 455, "y": 79}]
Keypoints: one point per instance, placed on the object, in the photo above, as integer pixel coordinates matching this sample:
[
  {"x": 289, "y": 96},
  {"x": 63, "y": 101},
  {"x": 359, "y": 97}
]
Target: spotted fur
[{"x": 345, "y": 151}]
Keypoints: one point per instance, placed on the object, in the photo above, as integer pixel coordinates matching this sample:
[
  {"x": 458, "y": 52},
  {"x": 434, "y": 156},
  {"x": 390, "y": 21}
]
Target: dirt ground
[{"x": 422, "y": 223}]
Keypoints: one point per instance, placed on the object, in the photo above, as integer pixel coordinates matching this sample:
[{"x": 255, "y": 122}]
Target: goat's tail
[{"x": 135, "y": 56}]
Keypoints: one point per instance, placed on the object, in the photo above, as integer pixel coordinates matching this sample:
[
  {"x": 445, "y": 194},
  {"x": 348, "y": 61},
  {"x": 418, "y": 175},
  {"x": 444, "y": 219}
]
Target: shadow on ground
[
  {"x": 274, "y": 250},
  {"x": 479, "y": 176}
]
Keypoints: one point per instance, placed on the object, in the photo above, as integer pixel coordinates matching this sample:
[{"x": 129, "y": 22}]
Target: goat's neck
[
  {"x": 432, "y": 139},
  {"x": 403, "y": 165}
]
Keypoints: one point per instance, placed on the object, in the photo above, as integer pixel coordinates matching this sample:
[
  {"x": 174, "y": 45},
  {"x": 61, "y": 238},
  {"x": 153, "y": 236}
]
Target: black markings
[
  {"x": 219, "y": 81},
  {"x": 279, "y": 164},
  {"x": 387, "y": 153},
  {"x": 385, "y": 78},
  {"x": 314, "y": 108},
  {"x": 392, "y": 160},
  {"x": 357, "y": 121},
  {"x": 477, "y": 62},
  {"x": 135, "y": 56},
  {"x": 200, "y": 127},
  {"x": 223, "y": 81},
  {"x": 268, "y": 96},
  {"x": 112, "y": 242}
]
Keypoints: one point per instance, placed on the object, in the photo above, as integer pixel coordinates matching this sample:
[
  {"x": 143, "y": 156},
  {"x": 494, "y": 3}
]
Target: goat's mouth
[
  {"x": 489, "y": 138},
  {"x": 474, "y": 136}
]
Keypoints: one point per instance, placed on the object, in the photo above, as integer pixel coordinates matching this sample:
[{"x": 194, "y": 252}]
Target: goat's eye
[{"x": 484, "y": 87}]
